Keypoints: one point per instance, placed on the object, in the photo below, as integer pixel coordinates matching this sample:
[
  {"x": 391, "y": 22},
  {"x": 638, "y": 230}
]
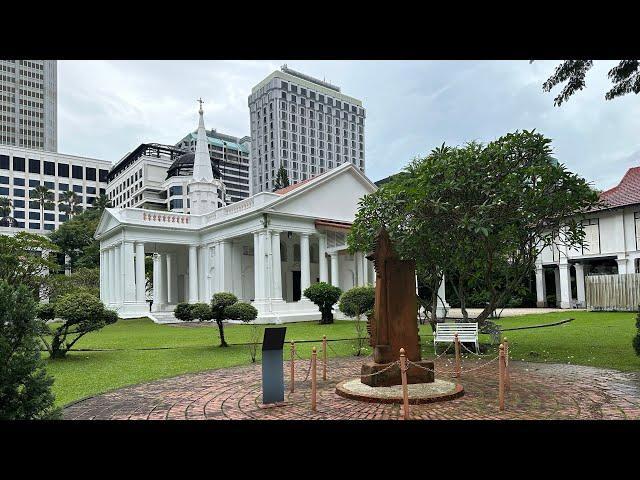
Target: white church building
[{"x": 265, "y": 249}]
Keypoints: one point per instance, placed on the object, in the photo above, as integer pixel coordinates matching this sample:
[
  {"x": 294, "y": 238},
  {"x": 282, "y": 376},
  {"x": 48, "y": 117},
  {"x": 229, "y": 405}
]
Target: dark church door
[{"x": 296, "y": 285}]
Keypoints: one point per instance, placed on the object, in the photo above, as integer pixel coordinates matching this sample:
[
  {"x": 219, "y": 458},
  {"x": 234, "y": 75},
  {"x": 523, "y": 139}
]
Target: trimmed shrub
[
  {"x": 357, "y": 301},
  {"x": 81, "y": 313},
  {"x": 219, "y": 303},
  {"x": 183, "y": 312},
  {"x": 200, "y": 311},
  {"x": 241, "y": 311},
  {"x": 324, "y": 296}
]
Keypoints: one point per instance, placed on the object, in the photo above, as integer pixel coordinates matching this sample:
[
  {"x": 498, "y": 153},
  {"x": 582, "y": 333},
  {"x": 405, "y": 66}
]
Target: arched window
[
  {"x": 283, "y": 252},
  {"x": 296, "y": 252}
]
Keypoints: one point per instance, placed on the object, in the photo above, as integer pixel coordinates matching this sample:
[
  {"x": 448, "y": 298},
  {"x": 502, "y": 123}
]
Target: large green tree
[
  {"x": 75, "y": 239},
  {"x": 26, "y": 258},
  {"x": 69, "y": 203},
  {"x": 25, "y": 387},
  {"x": 625, "y": 77},
  {"x": 478, "y": 212}
]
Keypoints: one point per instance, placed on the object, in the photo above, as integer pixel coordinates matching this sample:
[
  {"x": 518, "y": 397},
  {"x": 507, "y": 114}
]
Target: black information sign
[{"x": 272, "y": 368}]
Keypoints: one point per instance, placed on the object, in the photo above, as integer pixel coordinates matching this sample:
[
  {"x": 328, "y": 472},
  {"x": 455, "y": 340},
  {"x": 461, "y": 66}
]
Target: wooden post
[
  {"x": 314, "y": 356},
  {"x": 405, "y": 388},
  {"x": 293, "y": 366},
  {"x": 457, "y": 348},
  {"x": 501, "y": 378},
  {"x": 324, "y": 357},
  {"x": 507, "y": 378}
]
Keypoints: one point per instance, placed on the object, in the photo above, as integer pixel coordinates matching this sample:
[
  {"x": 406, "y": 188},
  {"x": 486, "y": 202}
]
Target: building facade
[
  {"x": 265, "y": 249},
  {"x": 231, "y": 155},
  {"x": 612, "y": 237},
  {"x": 28, "y": 104},
  {"x": 305, "y": 125},
  {"x": 22, "y": 169}
]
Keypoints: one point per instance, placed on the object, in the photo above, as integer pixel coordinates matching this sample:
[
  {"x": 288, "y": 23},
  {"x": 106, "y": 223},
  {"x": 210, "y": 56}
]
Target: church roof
[
  {"x": 627, "y": 192},
  {"x": 285, "y": 190}
]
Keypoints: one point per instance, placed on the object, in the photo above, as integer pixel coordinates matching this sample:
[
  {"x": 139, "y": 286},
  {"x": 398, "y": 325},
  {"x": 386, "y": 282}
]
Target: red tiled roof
[
  {"x": 333, "y": 223},
  {"x": 627, "y": 192},
  {"x": 284, "y": 190}
]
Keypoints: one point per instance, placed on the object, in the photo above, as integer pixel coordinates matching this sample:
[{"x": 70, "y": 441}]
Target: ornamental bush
[
  {"x": 200, "y": 311},
  {"x": 357, "y": 301},
  {"x": 81, "y": 313},
  {"x": 183, "y": 312},
  {"x": 25, "y": 387},
  {"x": 325, "y": 296},
  {"x": 241, "y": 311},
  {"x": 219, "y": 303}
]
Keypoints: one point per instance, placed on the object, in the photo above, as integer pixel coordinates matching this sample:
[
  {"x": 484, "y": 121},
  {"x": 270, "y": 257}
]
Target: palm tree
[
  {"x": 43, "y": 196},
  {"x": 69, "y": 203},
  {"x": 102, "y": 202},
  {"x": 5, "y": 206}
]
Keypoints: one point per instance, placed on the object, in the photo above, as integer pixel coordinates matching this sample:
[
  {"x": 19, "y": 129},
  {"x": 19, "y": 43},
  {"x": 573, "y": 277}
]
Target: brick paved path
[{"x": 538, "y": 391}]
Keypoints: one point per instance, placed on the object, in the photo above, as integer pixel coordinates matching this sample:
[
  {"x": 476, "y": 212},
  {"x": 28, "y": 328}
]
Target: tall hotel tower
[
  {"x": 303, "y": 124},
  {"x": 28, "y": 104}
]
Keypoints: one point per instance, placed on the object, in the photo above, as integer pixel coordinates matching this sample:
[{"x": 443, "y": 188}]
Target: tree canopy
[
  {"x": 625, "y": 78},
  {"x": 481, "y": 213},
  {"x": 75, "y": 239}
]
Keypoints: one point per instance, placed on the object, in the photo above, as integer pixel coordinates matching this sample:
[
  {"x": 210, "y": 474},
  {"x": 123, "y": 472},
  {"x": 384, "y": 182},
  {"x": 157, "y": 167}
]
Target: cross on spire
[{"x": 201, "y": 102}]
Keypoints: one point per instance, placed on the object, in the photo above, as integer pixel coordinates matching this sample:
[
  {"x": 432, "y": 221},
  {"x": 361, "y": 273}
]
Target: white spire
[{"x": 202, "y": 171}]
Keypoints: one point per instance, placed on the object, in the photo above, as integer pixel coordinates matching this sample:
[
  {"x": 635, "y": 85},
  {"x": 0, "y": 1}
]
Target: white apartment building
[
  {"x": 23, "y": 169},
  {"x": 613, "y": 247},
  {"x": 28, "y": 104},
  {"x": 304, "y": 124}
]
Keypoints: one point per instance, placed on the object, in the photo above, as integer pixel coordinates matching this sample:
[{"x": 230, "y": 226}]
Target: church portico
[{"x": 266, "y": 250}]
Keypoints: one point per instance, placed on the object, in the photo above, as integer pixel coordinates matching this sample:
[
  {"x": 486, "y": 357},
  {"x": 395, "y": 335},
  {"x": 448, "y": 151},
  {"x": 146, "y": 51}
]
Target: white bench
[{"x": 467, "y": 332}]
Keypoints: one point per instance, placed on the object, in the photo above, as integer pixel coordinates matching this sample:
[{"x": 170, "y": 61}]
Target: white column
[
  {"x": 443, "y": 306},
  {"x": 357, "y": 259},
  {"x": 112, "y": 275},
  {"x": 322, "y": 258},
  {"x": 565, "y": 285},
  {"x": 277, "y": 265},
  {"x": 202, "y": 284},
  {"x": 140, "y": 277},
  {"x": 193, "y": 274},
  {"x": 171, "y": 279},
  {"x": 159, "y": 293},
  {"x": 305, "y": 266},
  {"x": 267, "y": 264},
  {"x": 556, "y": 274},
  {"x": 541, "y": 288},
  {"x": 103, "y": 274},
  {"x": 257, "y": 267},
  {"x": 622, "y": 265},
  {"x": 365, "y": 270},
  {"x": 129, "y": 272},
  {"x": 117, "y": 291},
  {"x": 580, "y": 285},
  {"x": 236, "y": 270},
  {"x": 335, "y": 269}
]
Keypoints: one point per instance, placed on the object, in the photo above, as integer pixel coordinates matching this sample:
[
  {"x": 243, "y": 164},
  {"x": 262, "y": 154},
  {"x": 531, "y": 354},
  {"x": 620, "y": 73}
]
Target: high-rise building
[
  {"x": 231, "y": 155},
  {"x": 24, "y": 169},
  {"x": 28, "y": 104},
  {"x": 304, "y": 124}
]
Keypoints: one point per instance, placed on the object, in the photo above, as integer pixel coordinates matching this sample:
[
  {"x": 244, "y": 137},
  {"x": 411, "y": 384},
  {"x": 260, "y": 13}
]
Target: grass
[{"x": 136, "y": 351}]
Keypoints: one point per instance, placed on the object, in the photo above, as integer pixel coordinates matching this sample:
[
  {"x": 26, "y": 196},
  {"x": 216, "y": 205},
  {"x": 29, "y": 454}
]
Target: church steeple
[
  {"x": 204, "y": 188},
  {"x": 202, "y": 171}
]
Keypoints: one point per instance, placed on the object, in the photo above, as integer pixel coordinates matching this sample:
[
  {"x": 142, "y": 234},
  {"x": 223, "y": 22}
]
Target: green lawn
[{"x": 598, "y": 339}]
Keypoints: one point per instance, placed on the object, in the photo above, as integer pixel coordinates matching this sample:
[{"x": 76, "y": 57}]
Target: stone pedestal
[{"x": 392, "y": 376}]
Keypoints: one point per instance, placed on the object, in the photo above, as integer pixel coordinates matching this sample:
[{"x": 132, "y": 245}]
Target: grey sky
[{"x": 107, "y": 108}]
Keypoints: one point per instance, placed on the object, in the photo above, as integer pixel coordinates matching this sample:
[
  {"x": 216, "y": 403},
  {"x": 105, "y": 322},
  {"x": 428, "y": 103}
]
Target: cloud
[{"x": 107, "y": 108}]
